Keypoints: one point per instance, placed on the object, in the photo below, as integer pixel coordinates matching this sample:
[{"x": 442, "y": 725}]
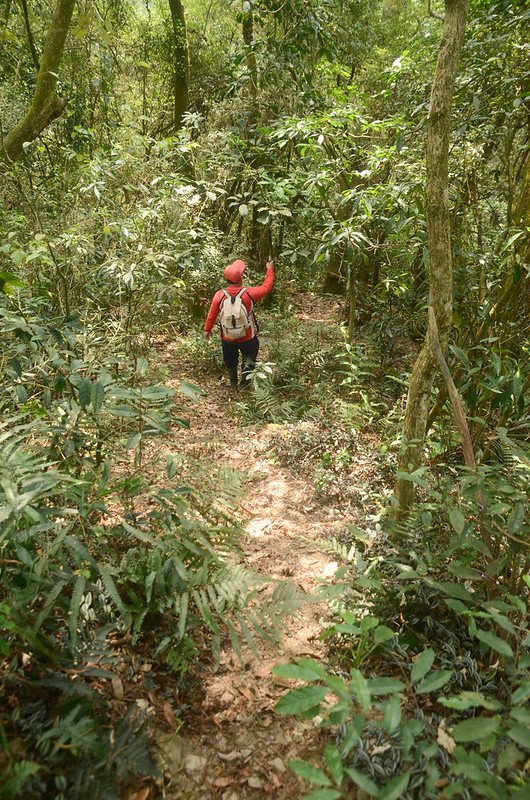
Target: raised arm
[{"x": 258, "y": 292}]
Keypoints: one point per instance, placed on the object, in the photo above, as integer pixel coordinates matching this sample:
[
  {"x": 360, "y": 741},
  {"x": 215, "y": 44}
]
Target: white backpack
[{"x": 234, "y": 318}]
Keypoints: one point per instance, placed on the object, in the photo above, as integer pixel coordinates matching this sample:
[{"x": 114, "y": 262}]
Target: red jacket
[{"x": 255, "y": 292}]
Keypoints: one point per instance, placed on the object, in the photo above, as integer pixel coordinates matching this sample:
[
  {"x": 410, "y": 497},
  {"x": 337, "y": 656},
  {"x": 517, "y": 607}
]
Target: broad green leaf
[
  {"x": 299, "y": 700},
  {"x": 516, "y": 519},
  {"x": 85, "y": 392},
  {"x": 363, "y": 782},
  {"x": 422, "y": 664},
  {"x": 309, "y": 773},
  {"x": 508, "y": 757},
  {"x": 12, "y": 280},
  {"x": 369, "y": 622},
  {"x": 323, "y": 794},
  {"x": 466, "y": 573},
  {"x": 453, "y": 590},
  {"x": 305, "y": 669},
  {"x": 190, "y": 390},
  {"x": 382, "y": 634},
  {"x": 18, "y": 256},
  {"x": 334, "y": 763},
  {"x": 476, "y": 728},
  {"x": 359, "y": 684},
  {"x": 133, "y": 441},
  {"x": 141, "y": 365},
  {"x": 379, "y": 686},
  {"x": 392, "y": 715},
  {"x": 97, "y": 396},
  {"x": 353, "y": 731},
  {"x": 21, "y": 393},
  {"x": 457, "y": 520},
  {"x": 495, "y": 642},
  {"x": 414, "y": 477},
  {"x": 466, "y": 700},
  {"x": 521, "y": 735},
  {"x": 521, "y": 715},
  {"x": 434, "y": 681},
  {"x": 502, "y": 621},
  {"x": 395, "y": 788},
  {"x": 522, "y": 693}
]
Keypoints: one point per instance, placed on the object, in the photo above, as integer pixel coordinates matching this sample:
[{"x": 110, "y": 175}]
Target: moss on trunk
[
  {"x": 438, "y": 242},
  {"x": 46, "y": 105}
]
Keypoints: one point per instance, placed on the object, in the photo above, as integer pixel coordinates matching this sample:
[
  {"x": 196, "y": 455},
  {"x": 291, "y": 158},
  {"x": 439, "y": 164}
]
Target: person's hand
[
  {"x": 270, "y": 264},
  {"x": 207, "y": 335}
]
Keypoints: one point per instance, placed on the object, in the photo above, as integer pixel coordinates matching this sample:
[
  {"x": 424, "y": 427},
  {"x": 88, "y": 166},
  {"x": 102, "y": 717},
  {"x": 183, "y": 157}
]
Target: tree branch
[
  {"x": 29, "y": 32},
  {"x": 433, "y": 13}
]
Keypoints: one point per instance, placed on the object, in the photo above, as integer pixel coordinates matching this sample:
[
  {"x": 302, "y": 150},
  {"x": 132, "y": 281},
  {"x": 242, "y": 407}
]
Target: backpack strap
[
  {"x": 252, "y": 303},
  {"x": 228, "y": 296},
  {"x": 252, "y": 313}
]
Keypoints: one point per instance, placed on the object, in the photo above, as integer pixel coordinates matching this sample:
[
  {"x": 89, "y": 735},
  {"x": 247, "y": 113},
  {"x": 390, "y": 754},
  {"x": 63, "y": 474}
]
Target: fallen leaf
[
  {"x": 169, "y": 716},
  {"x": 117, "y": 687},
  {"x": 223, "y": 781},
  {"x": 230, "y": 756},
  {"x": 444, "y": 740},
  {"x": 381, "y": 749},
  {"x": 273, "y": 784},
  {"x": 143, "y": 794}
]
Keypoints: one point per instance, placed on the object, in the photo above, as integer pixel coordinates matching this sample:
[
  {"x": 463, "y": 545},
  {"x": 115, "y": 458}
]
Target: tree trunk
[
  {"x": 248, "y": 38},
  {"x": 334, "y": 280},
  {"x": 438, "y": 242},
  {"x": 181, "y": 76},
  {"x": 5, "y": 15},
  {"x": 45, "y": 106}
]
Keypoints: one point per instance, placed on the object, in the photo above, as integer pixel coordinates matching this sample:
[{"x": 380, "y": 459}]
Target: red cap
[{"x": 234, "y": 271}]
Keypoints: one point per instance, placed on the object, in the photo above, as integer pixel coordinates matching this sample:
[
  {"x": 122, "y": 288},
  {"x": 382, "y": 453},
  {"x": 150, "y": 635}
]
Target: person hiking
[{"x": 234, "y": 307}]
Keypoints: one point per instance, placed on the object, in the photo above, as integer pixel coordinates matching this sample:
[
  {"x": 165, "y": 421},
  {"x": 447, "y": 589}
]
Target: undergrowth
[
  {"x": 426, "y": 693},
  {"x": 117, "y": 572}
]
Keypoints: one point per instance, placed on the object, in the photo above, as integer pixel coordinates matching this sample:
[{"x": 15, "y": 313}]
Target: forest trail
[{"x": 233, "y": 746}]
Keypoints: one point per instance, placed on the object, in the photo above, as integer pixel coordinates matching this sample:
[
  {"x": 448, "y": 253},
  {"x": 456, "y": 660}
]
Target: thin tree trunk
[
  {"x": 6, "y": 14},
  {"x": 352, "y": 299},
  {"x": 45, "y": 106},
  {"x": 248, "y": 38},
  {"x": 29, "y": 33},
  {"x": 181, "y": 77},
  {"x": 438, "y": 242}
]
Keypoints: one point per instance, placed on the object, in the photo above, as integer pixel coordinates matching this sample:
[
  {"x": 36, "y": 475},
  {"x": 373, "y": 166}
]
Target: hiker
[{"x": 234, "y": 306}]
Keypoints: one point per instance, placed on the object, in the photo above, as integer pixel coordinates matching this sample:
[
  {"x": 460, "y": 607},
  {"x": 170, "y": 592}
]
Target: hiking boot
[
  {"x": 246, "y": 374},
  {"x": 232, "y": 374}
]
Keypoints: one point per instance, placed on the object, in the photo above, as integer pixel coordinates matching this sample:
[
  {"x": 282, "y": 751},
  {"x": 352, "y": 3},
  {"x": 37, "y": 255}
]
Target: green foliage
[
  {"x": 92, "y": 550},
  {"x": 425, "y": 623},
  {"x": 114, "y": 233}
]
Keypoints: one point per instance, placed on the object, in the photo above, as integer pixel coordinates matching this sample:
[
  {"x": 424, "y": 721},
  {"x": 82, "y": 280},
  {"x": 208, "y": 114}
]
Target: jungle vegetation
[{"x": 385, "y": 147}]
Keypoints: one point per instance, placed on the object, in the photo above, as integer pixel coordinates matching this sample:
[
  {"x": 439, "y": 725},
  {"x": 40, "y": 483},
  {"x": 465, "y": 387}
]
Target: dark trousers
[{"x": 249, "y": 351}]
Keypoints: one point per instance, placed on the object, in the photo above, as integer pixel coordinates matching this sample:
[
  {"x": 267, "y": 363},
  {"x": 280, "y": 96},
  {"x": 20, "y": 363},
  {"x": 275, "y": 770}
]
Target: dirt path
[{"x": 233, "y": 745}]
